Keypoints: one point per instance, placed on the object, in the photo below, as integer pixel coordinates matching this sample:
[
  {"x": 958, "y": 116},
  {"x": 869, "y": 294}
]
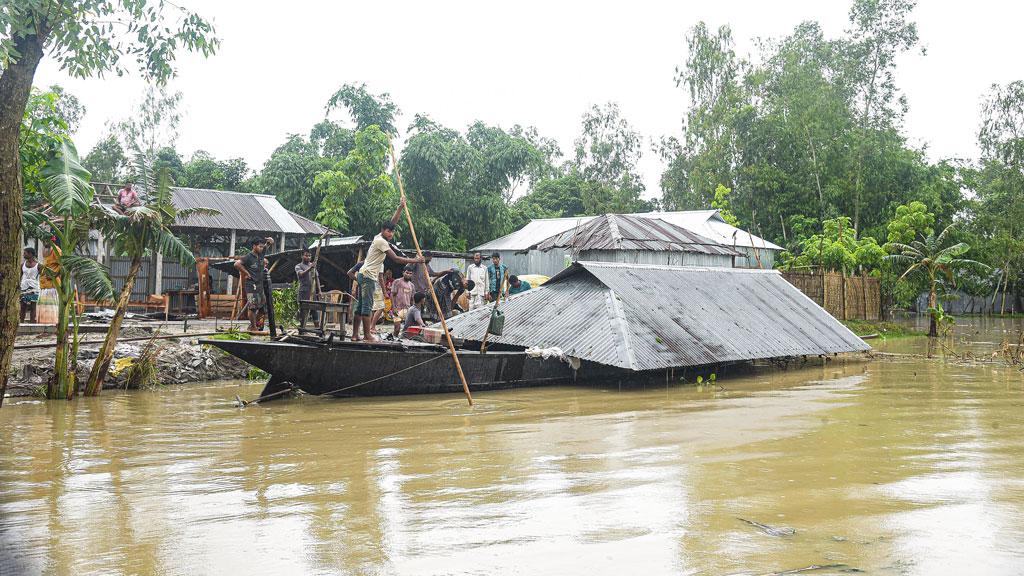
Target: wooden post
[
  {"x": 842, "y": 294},
  {"x": 433, "y": 295},
  {"x": 231, "y": 254},
  {"x": 824, "y": 290}
]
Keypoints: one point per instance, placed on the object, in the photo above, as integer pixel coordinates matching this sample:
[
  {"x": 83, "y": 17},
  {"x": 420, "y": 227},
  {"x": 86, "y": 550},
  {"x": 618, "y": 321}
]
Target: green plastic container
[{"x": 497, "y": 323}]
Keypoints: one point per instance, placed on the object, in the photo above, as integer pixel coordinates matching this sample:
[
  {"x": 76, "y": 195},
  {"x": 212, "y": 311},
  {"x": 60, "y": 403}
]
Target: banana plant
[
  {"x": 69, "y": 212},
  {"x": 931, "y": 256},
  {"x": 135, "y": 233}
]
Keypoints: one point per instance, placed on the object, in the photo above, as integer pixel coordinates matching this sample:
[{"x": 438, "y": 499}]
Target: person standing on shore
[
  {"x": 371, "y": 276},
  {"x": 477, "y": 273},
  {"x": 29, "y": 285}
]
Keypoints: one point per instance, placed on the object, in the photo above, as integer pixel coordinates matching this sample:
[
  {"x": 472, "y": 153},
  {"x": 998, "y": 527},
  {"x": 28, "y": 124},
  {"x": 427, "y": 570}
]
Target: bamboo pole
[
  {"x": 433, "y": 295},
  {"x": 238, "y": 298}
]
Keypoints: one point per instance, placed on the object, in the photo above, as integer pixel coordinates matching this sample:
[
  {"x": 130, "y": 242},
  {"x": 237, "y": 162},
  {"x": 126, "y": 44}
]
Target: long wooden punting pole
[{"x": 433, "y": 295}]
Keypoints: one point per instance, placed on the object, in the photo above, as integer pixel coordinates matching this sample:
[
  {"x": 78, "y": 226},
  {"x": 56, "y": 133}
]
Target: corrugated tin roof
[
  {"x": 241, "y": 211},
  {"x": 535, "y": 231},
  {"x": 655, "y": 317},
  {"x": 707, "y": 223},
  {"x": 624, "y": 232}
]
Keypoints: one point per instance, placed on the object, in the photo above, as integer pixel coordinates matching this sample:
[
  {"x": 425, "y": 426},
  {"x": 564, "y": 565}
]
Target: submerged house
[
  {"x": 653, "y": 317},
  {"x": 519, "y": 250},
  {"x": 636, "y": 240}
]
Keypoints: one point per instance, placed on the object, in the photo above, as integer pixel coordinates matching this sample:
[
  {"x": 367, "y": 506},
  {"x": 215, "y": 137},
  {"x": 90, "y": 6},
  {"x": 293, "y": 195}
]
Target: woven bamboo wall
[{"x": 846, "y": 298}]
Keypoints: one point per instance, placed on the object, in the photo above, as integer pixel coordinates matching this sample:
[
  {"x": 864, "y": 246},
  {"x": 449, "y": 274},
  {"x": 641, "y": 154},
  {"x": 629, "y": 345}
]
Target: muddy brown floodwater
[{"x": 905, "y": 466}]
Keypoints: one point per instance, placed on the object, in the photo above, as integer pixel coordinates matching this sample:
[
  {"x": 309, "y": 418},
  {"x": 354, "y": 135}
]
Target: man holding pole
[{"x": 371, "y": 275}]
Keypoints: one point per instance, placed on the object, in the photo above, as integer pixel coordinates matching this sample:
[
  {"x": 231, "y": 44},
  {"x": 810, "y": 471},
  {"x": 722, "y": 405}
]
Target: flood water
[{"x": 896, "y": 466}]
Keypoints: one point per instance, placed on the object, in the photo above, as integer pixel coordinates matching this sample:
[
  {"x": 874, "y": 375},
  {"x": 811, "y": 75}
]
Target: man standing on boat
[
  {"x": 250, "y": 270},
  {"x": 495, "y": 277},
  {"x": 402, "y": 292},
  {"x": 371, "y": 276},
  {"x": 477, "y": 273},
  {"x": 305, "y": 273}
]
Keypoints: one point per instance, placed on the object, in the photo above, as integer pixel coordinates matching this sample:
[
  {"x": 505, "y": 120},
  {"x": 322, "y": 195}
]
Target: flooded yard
[{"x": 902, "y": 465}]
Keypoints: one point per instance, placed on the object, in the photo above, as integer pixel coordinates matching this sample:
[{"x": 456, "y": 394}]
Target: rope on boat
[{"x": 385, "y": 376}]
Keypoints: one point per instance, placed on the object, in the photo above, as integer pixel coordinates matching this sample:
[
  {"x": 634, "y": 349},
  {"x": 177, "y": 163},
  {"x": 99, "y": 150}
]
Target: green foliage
[
  {"x": 365, "y": 108},
  {"x": 937, "y": 258},
  {"x": 142, "y": 372},
  {"x": 810, "y": 128},
  {"x": 93, "y": 37},
  {"x": 205, "y": 171},
  {"x": 836, "y": 248},
  {"x": 358, "y": 187},
  {"x": 291, "y": 170},
  {"x": 286, "y": 305},
  {"x": 70, "y": 214},
  {"x": 50, "y": 118},
  {"x": 107, "y": 161},
  {"x": 721, "y": 202},
  {"x": 912, "y": 220}
]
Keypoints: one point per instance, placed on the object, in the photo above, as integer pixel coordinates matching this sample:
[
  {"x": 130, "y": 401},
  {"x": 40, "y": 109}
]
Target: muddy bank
[{"x": 177, "y": 362}]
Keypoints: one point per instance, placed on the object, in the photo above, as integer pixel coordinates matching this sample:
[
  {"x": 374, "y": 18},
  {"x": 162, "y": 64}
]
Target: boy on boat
[
  {"x": 370, "y": 277},
  {"x": 414, "y": 316},
  {"x": 402, "y": 292}
]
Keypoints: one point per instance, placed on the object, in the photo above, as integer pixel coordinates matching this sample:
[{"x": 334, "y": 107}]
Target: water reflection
[{"x": 898, "y": 467}]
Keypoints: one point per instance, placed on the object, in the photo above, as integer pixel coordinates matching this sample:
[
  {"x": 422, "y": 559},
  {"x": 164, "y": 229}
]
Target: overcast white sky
[{"x": 533, "y": 63}]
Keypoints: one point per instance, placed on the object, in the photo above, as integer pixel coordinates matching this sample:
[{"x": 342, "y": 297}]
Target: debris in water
[{"x": 770, "y": 530}]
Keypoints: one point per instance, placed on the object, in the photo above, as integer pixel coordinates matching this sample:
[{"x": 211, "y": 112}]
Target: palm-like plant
[
  {"x": 931, "y": 256},
  {"x": 136, "y": 232},
  {"x": 69, "y": 213}
]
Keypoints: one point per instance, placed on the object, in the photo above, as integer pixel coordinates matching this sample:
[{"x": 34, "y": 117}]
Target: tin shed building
[
  {"x": 519, "y": 249},
  {"x": 636, "y": 240}
]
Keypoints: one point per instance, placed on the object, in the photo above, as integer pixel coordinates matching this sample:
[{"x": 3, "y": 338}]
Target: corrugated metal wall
[
  {"x": 535, "y": 262},
  {"x": 767, "y": 258},
  {"x": 654, "y": 257},
  {"x": 119, "y": 266},
  {"x": 554, "y": 261}
]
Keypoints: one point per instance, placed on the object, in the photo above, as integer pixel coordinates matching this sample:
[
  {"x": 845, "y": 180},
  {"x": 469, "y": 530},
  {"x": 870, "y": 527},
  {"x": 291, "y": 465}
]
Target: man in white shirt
[
  {"x": 477, "y": 273},
  {"x": 371, "y": 276}
]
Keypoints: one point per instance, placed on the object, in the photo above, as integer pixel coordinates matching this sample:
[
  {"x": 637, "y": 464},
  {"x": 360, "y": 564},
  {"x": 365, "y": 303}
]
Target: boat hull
[{"x": 360, "y": 370}]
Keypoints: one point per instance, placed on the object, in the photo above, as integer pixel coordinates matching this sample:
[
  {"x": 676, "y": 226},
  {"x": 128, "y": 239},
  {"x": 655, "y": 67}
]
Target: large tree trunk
[
  {"x": 15, "y": 87},
  {"x": 101, "y": 365}
]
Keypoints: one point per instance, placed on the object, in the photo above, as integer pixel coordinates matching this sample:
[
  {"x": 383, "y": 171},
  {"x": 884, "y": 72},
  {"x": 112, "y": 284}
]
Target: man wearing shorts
[
  {"x": 371, "y": 275},
  {"x": 250, "y": 270}
]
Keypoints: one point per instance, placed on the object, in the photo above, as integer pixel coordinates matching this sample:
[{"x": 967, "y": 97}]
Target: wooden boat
[{"x": 394, "y": 368}]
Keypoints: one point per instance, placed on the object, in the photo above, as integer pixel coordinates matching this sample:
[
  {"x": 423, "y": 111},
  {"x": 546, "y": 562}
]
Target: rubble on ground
[{"x": 179, "y": 362}]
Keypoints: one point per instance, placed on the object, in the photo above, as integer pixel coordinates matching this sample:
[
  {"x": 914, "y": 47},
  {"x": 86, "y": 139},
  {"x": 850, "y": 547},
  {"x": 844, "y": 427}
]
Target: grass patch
[
  {"x": 232, "y": 334},
  {"x": 883, "y": 329}
]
